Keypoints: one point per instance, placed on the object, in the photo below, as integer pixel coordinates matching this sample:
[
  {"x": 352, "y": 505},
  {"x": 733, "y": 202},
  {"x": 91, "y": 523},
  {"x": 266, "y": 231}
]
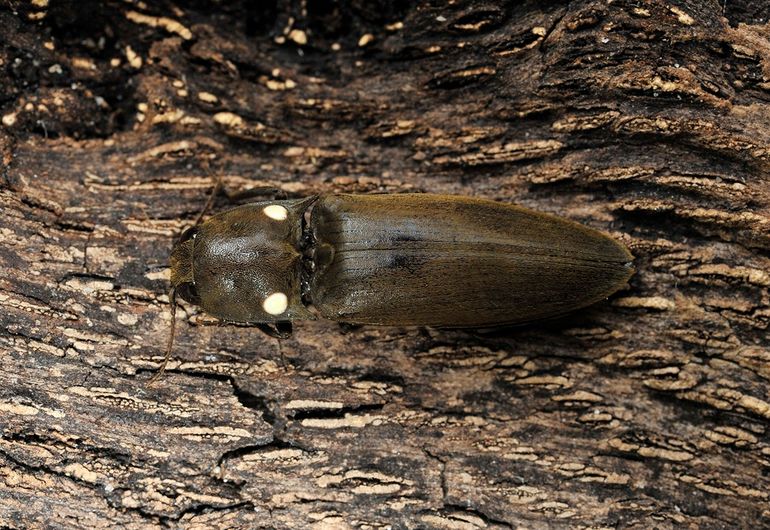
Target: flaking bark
[{"x": 649, "y": 120}]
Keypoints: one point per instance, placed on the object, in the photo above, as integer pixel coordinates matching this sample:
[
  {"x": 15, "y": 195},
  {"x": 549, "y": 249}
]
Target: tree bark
[{"x": 648, "y": 120}]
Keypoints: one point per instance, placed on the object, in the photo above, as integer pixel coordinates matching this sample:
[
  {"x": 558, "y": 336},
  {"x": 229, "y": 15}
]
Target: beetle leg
[
  {"x": 347, "y": 327},
  {"x": 284, "y": 329},
  {"x": 279, "y": 330}
]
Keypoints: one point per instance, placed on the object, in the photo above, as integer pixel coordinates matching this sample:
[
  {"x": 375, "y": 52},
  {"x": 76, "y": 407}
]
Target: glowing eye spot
[
  {"x": 275, "y": 304},
  {"x": 274, "y": 211}
]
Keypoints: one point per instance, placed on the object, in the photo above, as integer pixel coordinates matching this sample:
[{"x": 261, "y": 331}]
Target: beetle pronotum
[{"x": 415, "y": 259}]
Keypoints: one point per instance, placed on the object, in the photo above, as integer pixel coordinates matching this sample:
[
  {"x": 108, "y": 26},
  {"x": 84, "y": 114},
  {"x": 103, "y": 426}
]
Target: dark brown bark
[{"x": 649, "y": 120}]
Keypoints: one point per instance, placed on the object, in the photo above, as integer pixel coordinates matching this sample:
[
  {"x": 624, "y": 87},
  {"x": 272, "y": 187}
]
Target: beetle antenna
[
  {"x": 172, "y": 294},
  {"x": 214, "y": 192},
  {"x": 170, "y": 344}
]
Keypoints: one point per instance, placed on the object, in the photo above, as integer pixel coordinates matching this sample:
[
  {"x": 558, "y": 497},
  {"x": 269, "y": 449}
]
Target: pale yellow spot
[
  {"x": 170, "y": 25},
  {"x": 127, "y": 319},
  {"x": 275, "y": 211},
  {"x": 133, "y": 59},
  {"x": 207, "y": 97},
  {"x": 275, "y": 304},
  {"x": 21, "y": 410},
  {"x": 365, "y": 39},
  {"x": 298, "y": 36},
  {"x": 9, "y": 119},
  {"x": 228, "y": 118},
  {"x": 83, "y": 63},
  {"x": 682, "y": 16}
]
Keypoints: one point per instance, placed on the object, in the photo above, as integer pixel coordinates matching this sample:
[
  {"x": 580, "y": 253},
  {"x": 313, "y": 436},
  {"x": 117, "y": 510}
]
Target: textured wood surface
[{"x": 649, "y": 120}]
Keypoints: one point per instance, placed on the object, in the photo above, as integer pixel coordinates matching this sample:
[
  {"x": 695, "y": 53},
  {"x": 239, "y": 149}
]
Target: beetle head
[
  {"x": 244, "y": 265},
  {"x": 182, "y": 266}
]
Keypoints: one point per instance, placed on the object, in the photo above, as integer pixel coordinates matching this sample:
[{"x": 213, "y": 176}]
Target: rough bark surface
[{"x": 649, "y": 120}]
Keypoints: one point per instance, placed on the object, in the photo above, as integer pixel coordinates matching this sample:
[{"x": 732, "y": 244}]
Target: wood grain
[{"x": 648, "y": 120}]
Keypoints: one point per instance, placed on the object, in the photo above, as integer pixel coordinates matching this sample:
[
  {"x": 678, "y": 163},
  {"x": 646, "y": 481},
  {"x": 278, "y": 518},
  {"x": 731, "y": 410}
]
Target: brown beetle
[{"x": 410, "y": 259}]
